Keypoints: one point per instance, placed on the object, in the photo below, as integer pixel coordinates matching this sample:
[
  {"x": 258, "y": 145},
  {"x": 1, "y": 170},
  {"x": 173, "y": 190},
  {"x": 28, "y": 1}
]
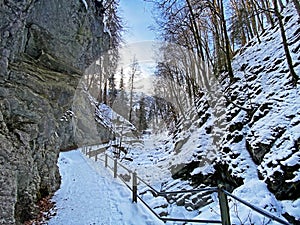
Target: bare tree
[
  {"x": 279, "y": 17},
  {"x": 134, "y": 67},
  {"x": 297, "y": 6}
]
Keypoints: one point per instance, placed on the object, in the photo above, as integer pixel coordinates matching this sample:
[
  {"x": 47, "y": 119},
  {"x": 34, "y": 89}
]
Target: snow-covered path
[{"x": 89, "y": 195}]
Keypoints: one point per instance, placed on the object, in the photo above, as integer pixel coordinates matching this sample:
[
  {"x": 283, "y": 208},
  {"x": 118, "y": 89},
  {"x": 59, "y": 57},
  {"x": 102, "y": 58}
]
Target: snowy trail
[{"x": 89, "y": 195}]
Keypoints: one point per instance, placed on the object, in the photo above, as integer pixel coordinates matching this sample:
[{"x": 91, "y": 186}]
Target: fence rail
[{"x": 222, "y": 193}]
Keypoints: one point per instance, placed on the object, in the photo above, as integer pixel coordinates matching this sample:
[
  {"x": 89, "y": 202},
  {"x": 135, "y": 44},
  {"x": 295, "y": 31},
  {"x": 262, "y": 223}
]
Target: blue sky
[{"x": 137, "y": 17}]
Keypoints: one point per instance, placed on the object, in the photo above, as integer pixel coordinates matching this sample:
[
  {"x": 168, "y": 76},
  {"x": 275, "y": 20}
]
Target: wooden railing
[{"x": 115, "y": 166}]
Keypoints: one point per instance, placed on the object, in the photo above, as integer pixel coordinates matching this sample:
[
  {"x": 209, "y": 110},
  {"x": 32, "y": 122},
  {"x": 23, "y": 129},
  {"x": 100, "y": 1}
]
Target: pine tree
[
  {"x": 142, "y": 120},
  {"x": 112, "y": 89}
]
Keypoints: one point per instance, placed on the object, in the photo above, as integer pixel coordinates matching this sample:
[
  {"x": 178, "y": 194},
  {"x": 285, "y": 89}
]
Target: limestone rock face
[{"x": 45, "y": 47}]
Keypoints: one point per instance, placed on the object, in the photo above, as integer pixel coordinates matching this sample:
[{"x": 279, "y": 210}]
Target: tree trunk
[
  {"x": 266, "y": 6},
  {"x": 254, "y": 17},
  {"x": 217, "y": 43},
  {"x": 297, "y": 6},
  {"x": 105, "y": 93},
  {"x": 293, "y": 74},
  {"x": 281, "y": 5},
  {"x": 227, "y": 43},
  {"x": 259, "y": 18},
  {"x": 195, "y": 30}
]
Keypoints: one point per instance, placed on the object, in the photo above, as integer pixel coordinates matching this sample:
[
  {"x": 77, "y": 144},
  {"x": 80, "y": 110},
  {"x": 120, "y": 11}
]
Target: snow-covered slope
[
  {"x": 271, "y": 128},
  {"x": 245, "y": 134}
]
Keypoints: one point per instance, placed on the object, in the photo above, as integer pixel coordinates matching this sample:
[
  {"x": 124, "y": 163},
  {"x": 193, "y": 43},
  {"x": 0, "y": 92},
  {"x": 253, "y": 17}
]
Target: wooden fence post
[
  {"x": 105, "y": 160},
  {"x": 115, "y": 168},
  {"x": 96, "y": 158},
  {"x": 224, "y": 208},
  {"x": 134, "y": 187}
]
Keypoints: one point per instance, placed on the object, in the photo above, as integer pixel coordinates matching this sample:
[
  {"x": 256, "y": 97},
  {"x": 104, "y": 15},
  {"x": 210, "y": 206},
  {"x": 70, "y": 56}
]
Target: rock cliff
[{"x": 45, "y": 47}]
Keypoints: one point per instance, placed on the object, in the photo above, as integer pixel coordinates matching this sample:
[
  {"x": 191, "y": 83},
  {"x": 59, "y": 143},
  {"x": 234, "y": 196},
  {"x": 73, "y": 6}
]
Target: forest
[{"x": 199, "y": 40}]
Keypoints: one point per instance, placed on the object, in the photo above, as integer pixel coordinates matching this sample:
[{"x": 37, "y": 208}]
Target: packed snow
[{"x": 90, "y": 195}]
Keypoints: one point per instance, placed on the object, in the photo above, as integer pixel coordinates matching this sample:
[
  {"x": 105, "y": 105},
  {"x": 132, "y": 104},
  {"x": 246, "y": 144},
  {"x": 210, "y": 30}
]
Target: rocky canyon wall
[{"x": 45, "y": 47}]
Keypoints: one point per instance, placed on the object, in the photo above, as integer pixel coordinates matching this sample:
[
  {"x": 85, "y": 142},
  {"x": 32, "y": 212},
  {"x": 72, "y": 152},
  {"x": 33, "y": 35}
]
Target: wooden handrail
[
  {"x": 255, "y": 208},
  {"x": 148, "y": 185},
  {"x": 213, "y": 189},
  {"x": 222, "y": 194}
]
